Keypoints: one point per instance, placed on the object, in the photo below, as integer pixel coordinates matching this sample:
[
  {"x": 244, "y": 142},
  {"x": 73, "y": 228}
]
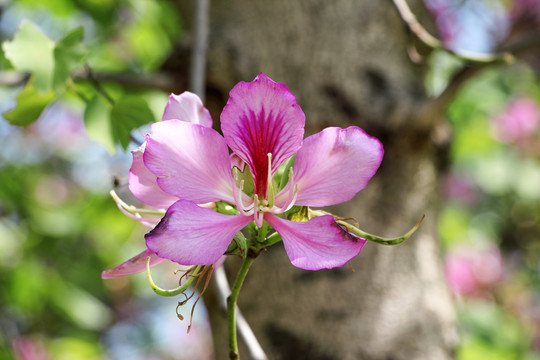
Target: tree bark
[{"x": 347, "y": 63}]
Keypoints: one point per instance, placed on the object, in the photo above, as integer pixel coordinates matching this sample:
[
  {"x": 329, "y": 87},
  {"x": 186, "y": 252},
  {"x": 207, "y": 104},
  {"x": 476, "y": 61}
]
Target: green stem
[
  {"x": 231, "y": 307},
  {"x": 261, "y": 233}
]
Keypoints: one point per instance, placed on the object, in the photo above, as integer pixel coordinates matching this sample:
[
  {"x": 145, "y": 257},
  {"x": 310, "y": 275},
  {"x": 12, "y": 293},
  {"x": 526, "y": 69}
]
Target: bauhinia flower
[{"x": 187, "y": 163}]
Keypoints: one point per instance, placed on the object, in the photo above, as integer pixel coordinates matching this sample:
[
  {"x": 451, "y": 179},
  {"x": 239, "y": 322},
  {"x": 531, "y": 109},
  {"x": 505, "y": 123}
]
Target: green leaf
[
  {"x": 30, "y": 104},
  {"x": 98, "y": 122},
  {"x": 127, "y": 114},
  {"x": 68, "y": 54},
  {"x": 30, "y": 50}
]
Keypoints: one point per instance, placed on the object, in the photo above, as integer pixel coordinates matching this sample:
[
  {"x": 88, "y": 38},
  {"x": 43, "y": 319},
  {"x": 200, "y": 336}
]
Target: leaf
[
  {"x": 98, "y": 123},
  {"x": 30, "y": 50},
  {"x": 30, "y": 104},
  {"x": 127, "y": 114},
  {"x": 68, "y": 54}
]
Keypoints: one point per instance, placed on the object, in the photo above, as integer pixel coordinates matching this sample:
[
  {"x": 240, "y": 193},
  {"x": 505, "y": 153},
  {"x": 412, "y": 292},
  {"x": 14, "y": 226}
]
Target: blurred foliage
[
  {"x": 59, "y": 228},
  {"x": 490, "y": 223}
]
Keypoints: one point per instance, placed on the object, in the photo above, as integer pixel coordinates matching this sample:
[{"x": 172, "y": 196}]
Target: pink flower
[
  {"x": 517, "y": 121},
  {"x": 263, "y": 126},
  {"x": 473, "y": 270}
]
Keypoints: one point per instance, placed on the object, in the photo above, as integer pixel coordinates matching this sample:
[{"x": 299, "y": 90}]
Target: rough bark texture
[{"x": 347, "y": 63}]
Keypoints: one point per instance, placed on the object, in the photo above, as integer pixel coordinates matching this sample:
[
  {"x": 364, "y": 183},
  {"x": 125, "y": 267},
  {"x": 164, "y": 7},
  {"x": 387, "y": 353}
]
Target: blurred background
[{"x": 59, "y": 159}]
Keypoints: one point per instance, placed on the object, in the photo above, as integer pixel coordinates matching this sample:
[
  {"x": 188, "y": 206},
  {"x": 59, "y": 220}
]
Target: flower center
[{"x": 276, "y": 203}]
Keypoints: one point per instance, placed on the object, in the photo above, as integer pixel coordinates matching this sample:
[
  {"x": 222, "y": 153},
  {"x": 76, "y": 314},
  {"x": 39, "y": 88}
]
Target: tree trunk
[{"x": 347, "y": 63}]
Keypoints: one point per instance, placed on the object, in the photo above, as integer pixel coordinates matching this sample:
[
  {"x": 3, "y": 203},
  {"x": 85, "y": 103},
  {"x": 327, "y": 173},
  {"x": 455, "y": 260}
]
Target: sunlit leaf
[
  {"x": 98, "y": 122},
  {"x": 127, "y": 114},
  {"x": 30, "y": 105},
  {"x": 68, "y": 53},
  {"x": 30, "y": 50}
]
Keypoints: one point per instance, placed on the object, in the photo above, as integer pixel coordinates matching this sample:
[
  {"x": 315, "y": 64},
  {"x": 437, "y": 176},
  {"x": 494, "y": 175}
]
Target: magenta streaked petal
[
  {"x": 262, "y": 117},
  {"x": 191, "y": 161},
  {"x": 319, "y": 243},
  {"x": 335, "y": 164},
  {"x": 192, "y": 235},
  {"x": 187, "y": 107},
  {"x": 134, "y": 265},
  {"x": 143, "y": 183}
]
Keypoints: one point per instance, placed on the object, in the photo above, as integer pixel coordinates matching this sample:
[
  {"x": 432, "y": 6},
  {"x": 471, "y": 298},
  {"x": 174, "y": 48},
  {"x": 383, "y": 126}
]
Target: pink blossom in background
[
  {"x": 446, "y": 20},
  {"x": 471, "y": 271},
  {"x": 525, "y": 8},
  {"x": 29, "y": 348},
  {"x": 459, "y": 189},
  {"x": 517, "y": 121}
]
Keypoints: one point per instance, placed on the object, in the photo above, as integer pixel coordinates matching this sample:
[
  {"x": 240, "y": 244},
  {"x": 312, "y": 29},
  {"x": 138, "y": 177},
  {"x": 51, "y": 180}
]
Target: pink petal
[
  {"x": 191, "y": 161},
  {"x": 262, "y": 117},
  {"x": 335, "y": 164},
  {"x": 187, "y": 107},
  {"x": 132, "y": 266},
  {"x": 143, "y": 183},
  {"x": 318, "y": 243},
  {"x": 192, "y": 235}
]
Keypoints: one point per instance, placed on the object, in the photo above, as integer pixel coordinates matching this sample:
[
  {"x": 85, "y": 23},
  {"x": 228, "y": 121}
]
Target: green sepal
[
  {"x": 170, "y": 292},
  {"x": 282, "y": 173},
  {"x": 377, "y": 239},
  {"x": 238, "y": 245},
  {"x": 249, "y": 185},
  {"x": 225, "y": 208}
]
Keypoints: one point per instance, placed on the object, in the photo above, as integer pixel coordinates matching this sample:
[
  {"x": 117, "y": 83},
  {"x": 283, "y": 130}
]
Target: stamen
[
  {"x": 289, "y": 202},
  {"x": 211, "y": 267},
  {"x": 200, "y": 277},
  {"x": 132, "y": 209},
  {"x": 177, "y": 313},
  {"x": 246, "y": 210},
  {"x": 270, "y": 187},
  {"x": 258, "y": 214}
]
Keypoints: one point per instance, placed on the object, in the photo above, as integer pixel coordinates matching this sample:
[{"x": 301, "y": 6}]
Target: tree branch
[
  {"x": 223, "y": 289},
  {"x": 159, "y": 81},
  {"x": 431, "y": 41},
  {"x": 198, "y": 59}
]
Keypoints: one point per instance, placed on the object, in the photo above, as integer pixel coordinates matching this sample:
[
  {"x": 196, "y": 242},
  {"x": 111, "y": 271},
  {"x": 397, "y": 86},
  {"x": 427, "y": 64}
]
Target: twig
[
  {"x": 254, "y": 348},
  {"x": 159, "y": 81},
  {"x": 97, "y": 84},
  {"x": 431, "y": 41},
  {"x": 198, "y": 59},
  {"x": 13, "y": 78}
]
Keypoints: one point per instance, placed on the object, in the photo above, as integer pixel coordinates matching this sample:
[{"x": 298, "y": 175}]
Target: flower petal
[
  {"x": 192, "y": 235},
  {"x": 191, "y": 161},
  {"x": 335, "y": 164},
  {"x": 143, "y": 183},
  {"x": 134, "y": 265},
  {"x": 187, "y": 107},
  {"x": 262, "y": 117},
  {"x": 318, "y": 243}
]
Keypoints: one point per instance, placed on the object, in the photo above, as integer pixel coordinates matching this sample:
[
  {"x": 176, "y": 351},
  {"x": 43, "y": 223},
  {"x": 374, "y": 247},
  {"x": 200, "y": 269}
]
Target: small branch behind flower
[
  {"x": 254, "y": 348},
  {"x": 431, "y": 41}
]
